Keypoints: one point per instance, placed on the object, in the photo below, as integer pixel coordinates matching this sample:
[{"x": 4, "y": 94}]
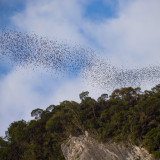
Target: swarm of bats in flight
[{"x": 31, "y": 50}]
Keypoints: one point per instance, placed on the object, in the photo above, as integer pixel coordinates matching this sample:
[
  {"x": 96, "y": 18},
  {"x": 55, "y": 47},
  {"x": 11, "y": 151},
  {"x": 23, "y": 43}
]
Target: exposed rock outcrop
[{"x": 86, "y": 148}]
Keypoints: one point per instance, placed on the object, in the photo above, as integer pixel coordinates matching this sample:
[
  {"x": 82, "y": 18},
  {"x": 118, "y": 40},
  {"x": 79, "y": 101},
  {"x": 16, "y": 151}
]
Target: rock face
[{"x": 86, "y": 148}]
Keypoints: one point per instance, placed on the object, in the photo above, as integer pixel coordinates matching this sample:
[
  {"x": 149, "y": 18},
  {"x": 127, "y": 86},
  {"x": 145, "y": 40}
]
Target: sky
[{"x": 124, "y": 31}]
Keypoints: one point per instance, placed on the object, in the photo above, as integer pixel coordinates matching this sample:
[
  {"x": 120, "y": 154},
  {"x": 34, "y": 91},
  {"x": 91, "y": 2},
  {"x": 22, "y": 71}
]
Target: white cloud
[
  {"x": 23, "y": 90},
  {"x": 131, "y": 38},
  {"x": 17, "y": 98},
  {"x": 59, "y": 19}
]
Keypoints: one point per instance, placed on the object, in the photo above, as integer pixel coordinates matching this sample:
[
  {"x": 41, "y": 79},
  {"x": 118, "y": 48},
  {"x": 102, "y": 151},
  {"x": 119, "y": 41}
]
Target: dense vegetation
[{"x": 127, "y": 115}]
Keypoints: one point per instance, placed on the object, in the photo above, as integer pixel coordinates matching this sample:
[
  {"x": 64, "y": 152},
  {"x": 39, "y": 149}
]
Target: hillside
[
  {"x": 127, "y": 116},
  {"x": 85, "y": 147}
]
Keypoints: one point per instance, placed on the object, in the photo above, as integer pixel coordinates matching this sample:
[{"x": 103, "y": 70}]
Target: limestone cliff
[{"x": 86, "y": 148}]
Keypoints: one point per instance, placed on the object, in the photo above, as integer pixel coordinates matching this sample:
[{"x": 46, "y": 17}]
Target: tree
[
  {"x": 16, "y": 131},
  {"x": 83, "y": 95},
  {"x": 156, "y": 88},
  {"x": 116, "y": 94},
  {"x": 103, "y": 97},
  {"x": 50, "y": 108},
  {"x": 129, "y": 115},
  {"x": 37, "y": 113},
  {"x": 152, "y": 141}
]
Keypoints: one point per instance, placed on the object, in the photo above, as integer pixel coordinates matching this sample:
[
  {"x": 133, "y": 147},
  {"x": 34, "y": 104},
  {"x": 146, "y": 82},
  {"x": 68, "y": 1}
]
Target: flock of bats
[{"x": 31, "y": 50}]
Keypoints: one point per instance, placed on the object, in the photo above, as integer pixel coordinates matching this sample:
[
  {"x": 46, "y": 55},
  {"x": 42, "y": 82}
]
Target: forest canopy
[{"x": 127, "y": 115}]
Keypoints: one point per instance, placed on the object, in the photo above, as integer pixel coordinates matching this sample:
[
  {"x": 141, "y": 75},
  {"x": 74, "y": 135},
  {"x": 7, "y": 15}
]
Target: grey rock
[{"x": 85, "y": 147}]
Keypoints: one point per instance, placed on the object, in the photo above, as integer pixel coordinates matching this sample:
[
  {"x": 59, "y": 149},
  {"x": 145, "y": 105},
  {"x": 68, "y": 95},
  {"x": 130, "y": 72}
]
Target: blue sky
[
  {"x": 7, "y": 9},
  {"x": 93, "y": 11},
  {"x": 96, "y": 10},
  {"x": 125, "y": 31},
  {"x": 99, "y": 10}
]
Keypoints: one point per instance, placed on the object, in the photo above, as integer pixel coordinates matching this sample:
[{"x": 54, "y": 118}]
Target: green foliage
[
  {"x": 127, "y": 115},
  {"x": 152, "y": 141},
  {"x": 83, "y": 95},
  {"x": 37, "y": 113}
]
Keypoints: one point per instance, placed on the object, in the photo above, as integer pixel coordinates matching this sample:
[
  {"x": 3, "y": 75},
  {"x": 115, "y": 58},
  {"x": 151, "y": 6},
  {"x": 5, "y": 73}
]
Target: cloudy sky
[{"x": 125, "y": 31}]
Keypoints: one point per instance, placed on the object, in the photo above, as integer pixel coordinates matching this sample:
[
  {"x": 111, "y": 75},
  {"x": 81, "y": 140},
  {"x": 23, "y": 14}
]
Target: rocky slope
[{"x": 86, "y": 148}]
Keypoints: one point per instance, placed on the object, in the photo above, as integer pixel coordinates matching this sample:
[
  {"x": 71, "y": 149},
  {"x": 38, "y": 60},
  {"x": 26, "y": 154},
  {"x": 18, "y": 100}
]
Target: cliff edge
[{"x": 85, "y": 147}]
